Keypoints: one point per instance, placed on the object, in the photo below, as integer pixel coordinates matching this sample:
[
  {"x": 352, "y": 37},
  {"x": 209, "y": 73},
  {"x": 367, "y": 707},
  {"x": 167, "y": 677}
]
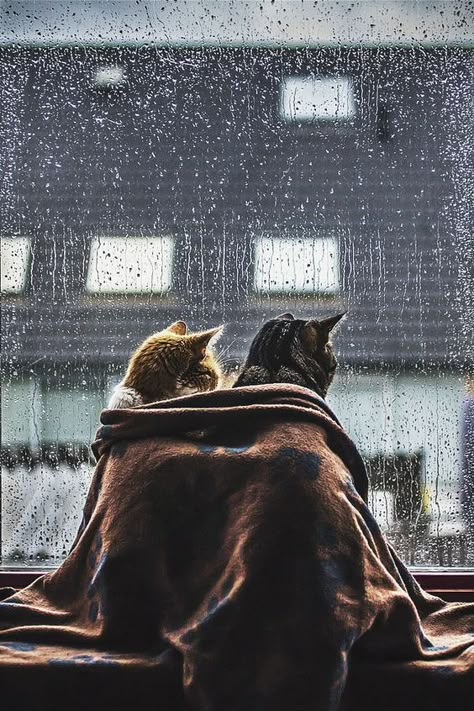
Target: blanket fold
[{"x": 227, "y": 560}]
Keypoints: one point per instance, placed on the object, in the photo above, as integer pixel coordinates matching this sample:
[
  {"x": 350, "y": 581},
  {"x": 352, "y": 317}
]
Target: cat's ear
[
  {"x": 316, "y": 333},
  {"x": 310, "y": 336},
  {"x": 178, "y": 327},
  {"x": 285, "y": 317},
  {"x": 201, "y": 340},
  {"x": 327, "y": 324}
]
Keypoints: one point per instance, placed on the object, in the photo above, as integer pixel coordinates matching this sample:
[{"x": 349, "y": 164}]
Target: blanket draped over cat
[{"x": 226, "y": 561}]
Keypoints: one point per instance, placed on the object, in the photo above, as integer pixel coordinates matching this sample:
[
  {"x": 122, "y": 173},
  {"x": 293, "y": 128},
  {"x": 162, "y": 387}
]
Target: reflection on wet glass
[{"x": 226, "y": 166}]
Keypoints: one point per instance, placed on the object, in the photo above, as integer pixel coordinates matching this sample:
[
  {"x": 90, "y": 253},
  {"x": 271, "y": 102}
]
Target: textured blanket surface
[{"x": 227, "y": 561}]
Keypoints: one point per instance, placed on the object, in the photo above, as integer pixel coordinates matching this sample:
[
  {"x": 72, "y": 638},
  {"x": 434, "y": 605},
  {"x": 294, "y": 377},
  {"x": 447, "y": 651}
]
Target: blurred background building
[{"x": 222, "y": 162}]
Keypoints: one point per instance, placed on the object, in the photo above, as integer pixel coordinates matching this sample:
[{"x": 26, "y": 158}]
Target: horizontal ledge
[
  {"x": 203, "y": 44},
  {"x": 452, "y": 586},
  {"x": 445, "y": 580}
]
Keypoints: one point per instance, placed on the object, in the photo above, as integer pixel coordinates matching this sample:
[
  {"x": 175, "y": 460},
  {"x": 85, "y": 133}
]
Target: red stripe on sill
[{"x": 453, "y": 586}]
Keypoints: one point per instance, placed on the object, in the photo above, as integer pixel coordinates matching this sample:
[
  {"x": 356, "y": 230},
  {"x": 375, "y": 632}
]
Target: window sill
[{"x": 453, "y": 586}]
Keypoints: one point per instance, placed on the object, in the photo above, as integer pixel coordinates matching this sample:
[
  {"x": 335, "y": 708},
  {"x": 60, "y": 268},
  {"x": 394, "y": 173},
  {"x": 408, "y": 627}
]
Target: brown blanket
[{"x": 227, "y": 561}]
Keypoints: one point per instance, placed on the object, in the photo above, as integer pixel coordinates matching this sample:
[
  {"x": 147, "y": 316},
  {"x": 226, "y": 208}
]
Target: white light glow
[
  {"x": 299, "y": 265},
  {"x": 130, "y": 265},
  {"x": 307, "y": 99},
  {"x": 108, "y": 77}
]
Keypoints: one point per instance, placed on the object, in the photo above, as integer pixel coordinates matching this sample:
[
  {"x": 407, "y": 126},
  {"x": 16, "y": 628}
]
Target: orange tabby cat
[{"x": 169, "y": 364}]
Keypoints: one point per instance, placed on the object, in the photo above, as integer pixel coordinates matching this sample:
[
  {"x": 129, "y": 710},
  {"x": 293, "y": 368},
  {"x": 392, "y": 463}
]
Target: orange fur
[{"x": 172, "y": 363}]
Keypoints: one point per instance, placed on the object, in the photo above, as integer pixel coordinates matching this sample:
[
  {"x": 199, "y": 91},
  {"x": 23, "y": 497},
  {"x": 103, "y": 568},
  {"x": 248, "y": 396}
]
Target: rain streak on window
[{"x": 223, "y": 163}]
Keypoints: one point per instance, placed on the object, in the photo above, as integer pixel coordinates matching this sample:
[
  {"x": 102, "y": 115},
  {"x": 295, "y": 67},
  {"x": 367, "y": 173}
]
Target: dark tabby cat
[{"x": 290, "y": 350}]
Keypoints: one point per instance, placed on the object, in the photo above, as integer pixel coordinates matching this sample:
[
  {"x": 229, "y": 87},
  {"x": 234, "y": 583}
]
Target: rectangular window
[
  {"x": 306, "y": 98},
  {"x": 284, "y": 265},
  {"x": 15, "y": 254},
  {"x": 46, "y": 467},
  {"x": 408, "y": 430},
  {"x": 130, "y": 265},
  {"x": 297, "y": 174},
  {"x": 41, "y": 510},
  {"x": 108, "y": 77}
]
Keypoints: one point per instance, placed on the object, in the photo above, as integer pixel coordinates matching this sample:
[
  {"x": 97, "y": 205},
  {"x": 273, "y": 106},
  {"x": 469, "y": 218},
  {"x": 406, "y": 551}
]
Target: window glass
[
  {"x": 304, "y": 265},
  {"x": 310, "y": 98},
  {"x": 165, "y": 162},
  {"x": 17, "y": 403},
  {"x": 70, "y": 415},
  {"x": 130, "y": 265},
  {"x": 14, "y": 264},
  {"x": 108, "y": 77}
]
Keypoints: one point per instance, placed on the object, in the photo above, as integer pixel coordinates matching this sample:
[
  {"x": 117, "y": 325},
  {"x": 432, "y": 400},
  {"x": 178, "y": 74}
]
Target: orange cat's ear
[
  {"x": 178, "y": 327},
  {"x": 201, "y": 340}
]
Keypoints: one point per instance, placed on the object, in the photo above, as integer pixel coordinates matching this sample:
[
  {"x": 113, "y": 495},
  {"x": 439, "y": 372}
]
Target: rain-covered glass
[{"x": 225, "y": 162}]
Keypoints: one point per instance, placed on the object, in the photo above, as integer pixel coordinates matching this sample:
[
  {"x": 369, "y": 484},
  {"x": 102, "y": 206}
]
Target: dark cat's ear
[
  {"x": 316, "y": 333},
  {"x": 285, "y": 317},
  {"x": 200, "y": 341},
  {"x": 327, "y": 324},
  {"x": 178, "y": 327},
  {"x": 310, "y": 336}
]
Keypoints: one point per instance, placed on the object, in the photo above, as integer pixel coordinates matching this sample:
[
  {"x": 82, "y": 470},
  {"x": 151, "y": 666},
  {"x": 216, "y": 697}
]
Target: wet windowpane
[
  {"x": 14, "y": 263},
  {"x": 305, "y": 265},
  {"x": 224, "y": 163},
  {"x": 309, "y": 98},
  {"x": 108, "y": 77},
  {"x": 130, "y": 264}
]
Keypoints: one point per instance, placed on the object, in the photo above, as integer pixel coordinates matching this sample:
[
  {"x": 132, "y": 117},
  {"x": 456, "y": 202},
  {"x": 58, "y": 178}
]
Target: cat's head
[
  {"x": 203, "y": 372},
  {"x": 175, "y": 362},
  {"x": 295, "y": 351}
]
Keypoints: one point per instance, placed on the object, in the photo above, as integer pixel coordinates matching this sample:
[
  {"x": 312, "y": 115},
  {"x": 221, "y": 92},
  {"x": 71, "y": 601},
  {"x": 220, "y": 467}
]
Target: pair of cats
[{"x": 174, "y": 362}]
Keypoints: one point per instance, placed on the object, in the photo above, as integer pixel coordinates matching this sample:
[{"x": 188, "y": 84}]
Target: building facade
[{"x": 225, "y": 185}]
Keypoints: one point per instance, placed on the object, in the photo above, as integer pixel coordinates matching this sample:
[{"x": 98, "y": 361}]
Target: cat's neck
[
  {"x": 259, "y": 375},
  {"x": 150, "y": 389},
  {"x": 288, "y": 375},
  {"x": 124, "y": 397}
]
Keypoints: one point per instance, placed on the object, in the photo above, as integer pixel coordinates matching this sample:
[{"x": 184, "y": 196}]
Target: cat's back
[{"x": 253, "y": 375}]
